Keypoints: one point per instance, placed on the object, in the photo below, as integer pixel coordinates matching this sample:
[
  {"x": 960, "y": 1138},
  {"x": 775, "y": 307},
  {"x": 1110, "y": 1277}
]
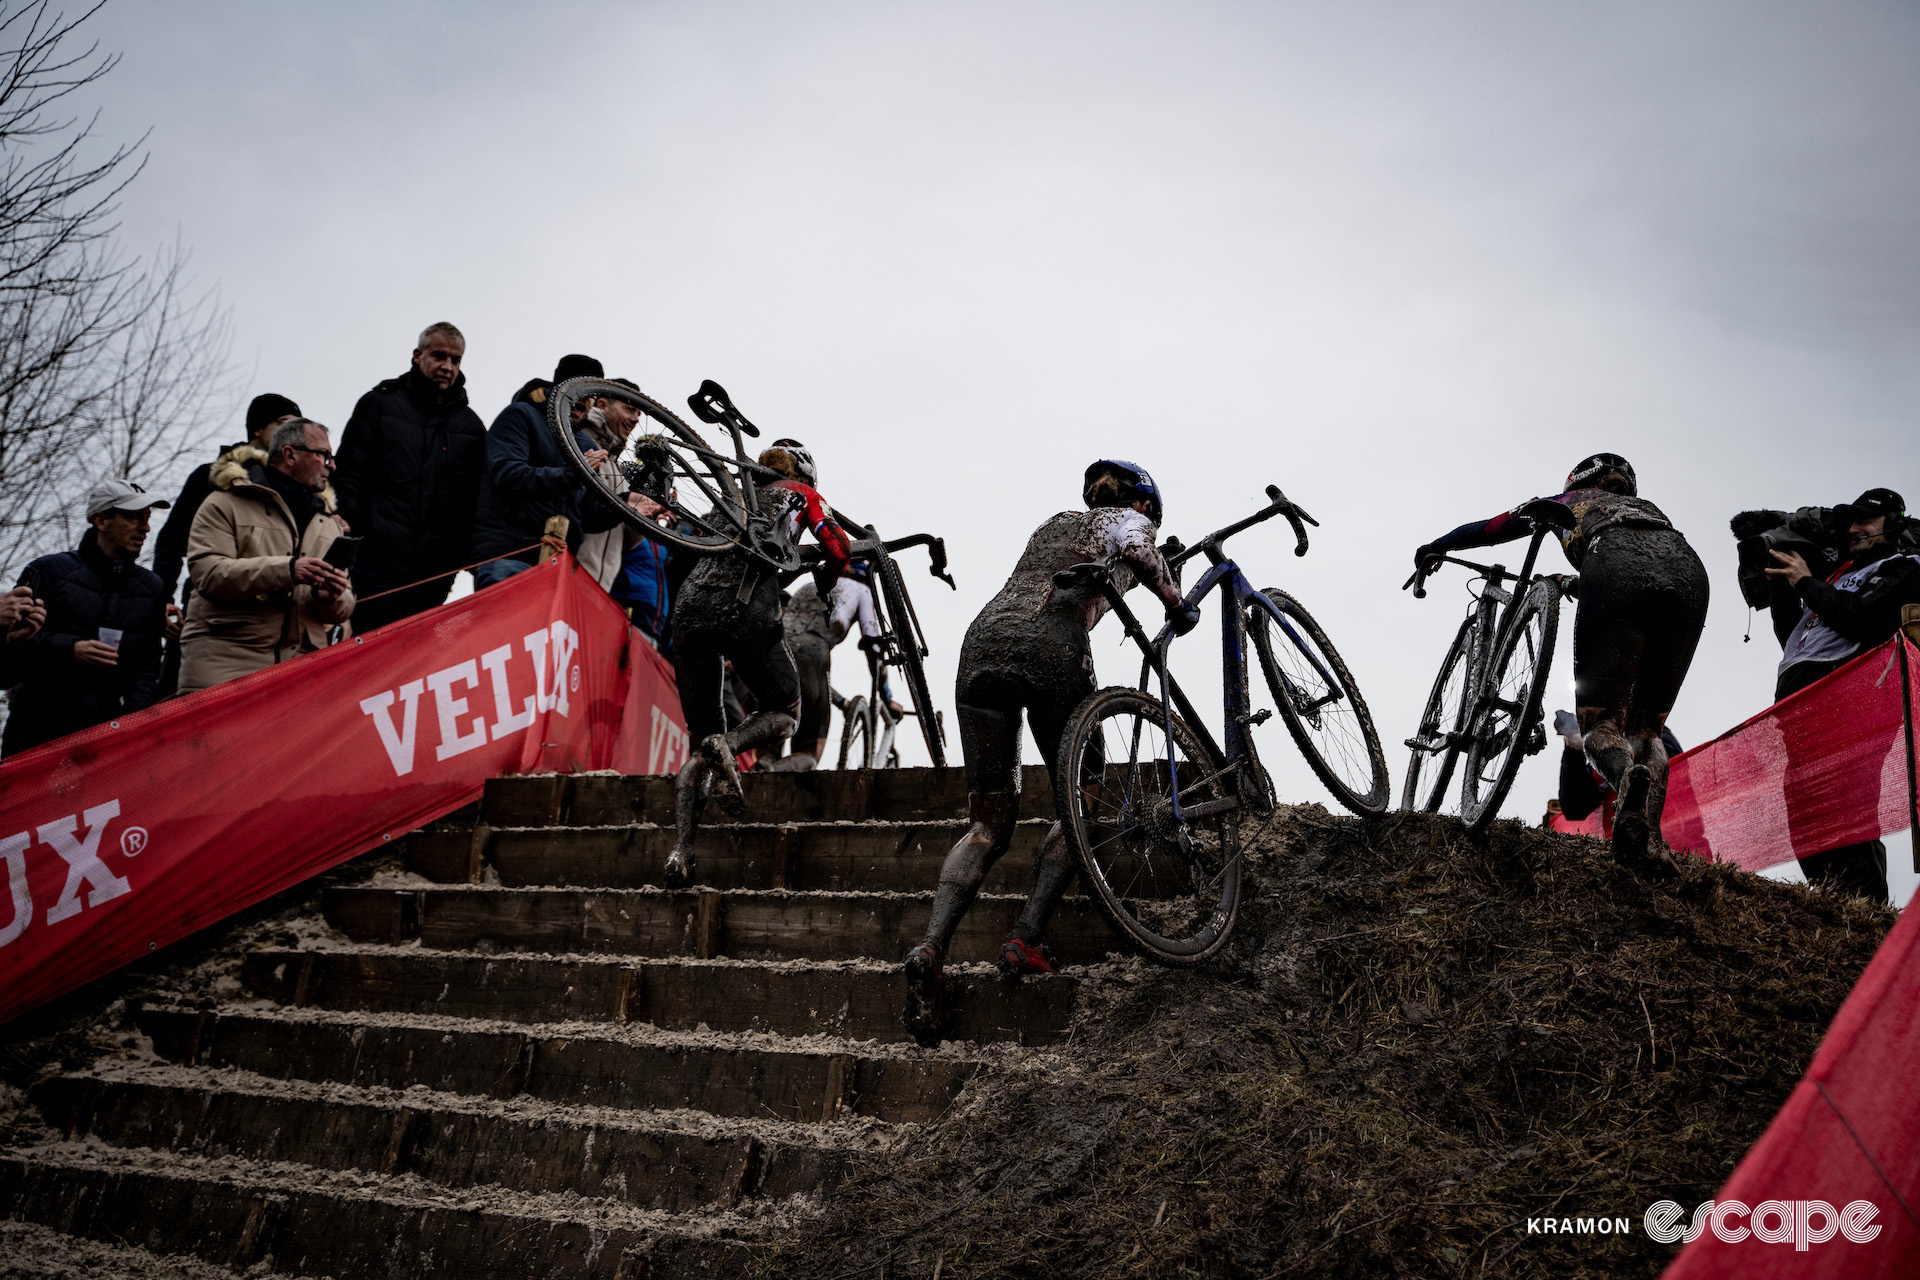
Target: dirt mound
[{"x": 1418, "y": 1041}]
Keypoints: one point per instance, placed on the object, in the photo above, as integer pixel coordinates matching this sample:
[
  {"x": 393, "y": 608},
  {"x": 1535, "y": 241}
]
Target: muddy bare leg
[
  {"x": 690, "y": 792},
  {"x": 989, "y": 832},
  {"x": 1052, "y": 873},
  {"x": 1607, "y": 747}
]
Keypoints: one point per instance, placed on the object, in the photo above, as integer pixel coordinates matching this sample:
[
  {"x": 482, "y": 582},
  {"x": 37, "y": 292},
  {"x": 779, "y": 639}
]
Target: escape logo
[
  {"x": 1797, "y": 1222},
  {"x": 1801, "y": 1223}
]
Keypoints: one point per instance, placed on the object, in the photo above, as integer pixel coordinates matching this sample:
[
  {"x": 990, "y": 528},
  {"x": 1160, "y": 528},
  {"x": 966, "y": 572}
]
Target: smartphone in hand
[{"x": 342, "y": 552}]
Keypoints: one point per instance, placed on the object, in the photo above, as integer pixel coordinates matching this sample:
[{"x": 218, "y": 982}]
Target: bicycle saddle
[
  {"x": 1088, "y": 574},
  {"x": 710, "y": 404},
  {"x": 1550, "y": 513}
]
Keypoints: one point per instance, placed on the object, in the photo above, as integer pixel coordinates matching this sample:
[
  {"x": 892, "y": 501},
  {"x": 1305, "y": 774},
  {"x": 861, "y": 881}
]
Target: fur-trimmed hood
[{"x": 231, "y": 467}]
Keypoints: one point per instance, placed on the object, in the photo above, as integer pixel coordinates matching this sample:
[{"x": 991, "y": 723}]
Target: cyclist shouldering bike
[
  {"x": 1643, "y": 603},
  {"x": 729, "y": 610},
  {"x": 1028, "y": 651}
]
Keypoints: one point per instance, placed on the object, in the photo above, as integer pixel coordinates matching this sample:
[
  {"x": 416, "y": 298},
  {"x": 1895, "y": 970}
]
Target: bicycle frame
[
  {"x": 1240, "y": 757},
  {"x": 1495, "y": 609}
]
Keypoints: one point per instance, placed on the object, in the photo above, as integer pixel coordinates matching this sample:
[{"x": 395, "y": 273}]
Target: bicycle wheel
[
  {"x": 661, "y": 457},
  {"x": 1170, "y": 889},
  {"x": 898, "y": 618},
  {"x": 1436, "y": 743},
  {"x": 1321, "y": 704},
  {"x": 856, "y": 734},
  {"x": 1505, "y": 727}
]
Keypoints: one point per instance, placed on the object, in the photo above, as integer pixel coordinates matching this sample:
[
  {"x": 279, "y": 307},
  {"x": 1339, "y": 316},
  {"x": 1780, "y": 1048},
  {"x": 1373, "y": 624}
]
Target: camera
[{"x": 1813, "y": 532}]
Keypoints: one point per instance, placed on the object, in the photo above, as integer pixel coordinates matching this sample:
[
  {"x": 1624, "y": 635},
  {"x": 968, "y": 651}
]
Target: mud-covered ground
[{"x": 1418, "y": 1042}]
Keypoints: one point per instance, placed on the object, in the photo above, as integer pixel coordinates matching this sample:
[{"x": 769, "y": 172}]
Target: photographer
[{"x": 1825, "y": 621}]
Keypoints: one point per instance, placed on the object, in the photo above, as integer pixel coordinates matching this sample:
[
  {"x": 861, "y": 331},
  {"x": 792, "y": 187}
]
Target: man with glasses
[{"x": 264, "y": 589}]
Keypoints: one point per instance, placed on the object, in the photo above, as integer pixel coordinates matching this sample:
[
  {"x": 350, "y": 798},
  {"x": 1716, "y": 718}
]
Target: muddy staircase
[{"x": 520, "y": 1056}]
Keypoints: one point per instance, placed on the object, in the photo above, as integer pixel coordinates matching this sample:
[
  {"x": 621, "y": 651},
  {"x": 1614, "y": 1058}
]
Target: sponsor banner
[
  {"x": 1843, "y": 1154},
  {"x": 1824, "y": 767},
  {"x": 119, "y": 840}
]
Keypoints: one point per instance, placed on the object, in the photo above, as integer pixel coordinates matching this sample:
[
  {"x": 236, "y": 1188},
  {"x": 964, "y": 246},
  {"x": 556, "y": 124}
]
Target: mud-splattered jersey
[
  {"x": 1076, "y": 537},
  {"x": 1595, "y": 511}
]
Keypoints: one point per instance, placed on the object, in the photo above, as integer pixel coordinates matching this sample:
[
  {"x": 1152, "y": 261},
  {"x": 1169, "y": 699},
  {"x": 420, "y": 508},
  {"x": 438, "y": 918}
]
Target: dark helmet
[
  {"x": 804, "y": 470},
  {"x": 1134, "y": 479},
  {"x": 1589, "y": 469}
]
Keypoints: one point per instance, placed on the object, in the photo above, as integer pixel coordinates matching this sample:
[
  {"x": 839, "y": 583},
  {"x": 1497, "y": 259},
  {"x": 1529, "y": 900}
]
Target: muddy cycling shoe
[
  {"x": 679, "y": 869},
  {"x": 1019, "y": 957},
  {"x": 715, "y": 751},
  {"x": 1635, "y": 844},
  {"x": 926, "y": 995}
]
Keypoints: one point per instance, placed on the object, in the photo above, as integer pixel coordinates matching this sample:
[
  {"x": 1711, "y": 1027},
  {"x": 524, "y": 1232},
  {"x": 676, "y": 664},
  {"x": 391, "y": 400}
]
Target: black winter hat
[
  {"x": 268, "y": 408},
  {"x": 577, "y": 366},
  {"x": 1874, "y": 502}
]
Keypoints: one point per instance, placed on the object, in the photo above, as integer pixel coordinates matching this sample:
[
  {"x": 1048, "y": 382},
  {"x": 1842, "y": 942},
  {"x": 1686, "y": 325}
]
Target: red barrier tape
[
  {"x": 132, "y": 835},
  {"x": 1847, "y": 1133},
  {"x": 1824, "y": 767}
]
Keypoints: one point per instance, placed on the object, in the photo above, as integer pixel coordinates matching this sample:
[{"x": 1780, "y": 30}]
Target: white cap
[{"x": 121, "y": 495}]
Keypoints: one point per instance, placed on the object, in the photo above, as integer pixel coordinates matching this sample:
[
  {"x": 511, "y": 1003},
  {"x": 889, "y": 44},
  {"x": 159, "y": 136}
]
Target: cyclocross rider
[
  {"x": 728, "y": 610},
  {"x": 816, "y": 623},
  {"x": 1028, "y": 650},
  {"x": 1643, "y": 602}
]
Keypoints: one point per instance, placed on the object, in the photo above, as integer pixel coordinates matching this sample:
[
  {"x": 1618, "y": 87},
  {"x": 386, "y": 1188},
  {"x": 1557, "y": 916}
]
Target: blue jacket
[
  {"x": 527, "y": 478},
  {"x": 642, "y": 586}
]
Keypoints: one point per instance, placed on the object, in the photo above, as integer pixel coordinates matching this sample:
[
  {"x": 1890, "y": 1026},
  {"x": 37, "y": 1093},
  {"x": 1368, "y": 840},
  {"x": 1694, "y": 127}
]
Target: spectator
[
  {"x": 1856, "y": 608},
  {"x": 21, "y": 614},
  {"x": 644, "y": 587},
  {"x": 97, "y": 655},
  {"x": 528, "y": 479},
  {"x": 607, "y": 423},
  {"x": 262, "y": 591},
  {"x": 170, "y": 548},
  {"x": 409, "y": 475}
]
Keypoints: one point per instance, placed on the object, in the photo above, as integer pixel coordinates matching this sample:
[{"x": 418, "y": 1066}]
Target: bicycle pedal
[{"x": 1255, "y": 718}]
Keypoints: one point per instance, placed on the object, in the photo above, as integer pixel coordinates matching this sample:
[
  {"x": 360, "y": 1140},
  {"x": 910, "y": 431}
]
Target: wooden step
[
  {"x": 854, "y": 1000},
  {"x": 741, "y": 925},
  {"x": 843, "y": 795},
  {"x": 236, "y": 1213},
  {"x": 633, "y": 1067},
  {"x": 453, "y": 1141},
  {"x": 843, "y": 857}
]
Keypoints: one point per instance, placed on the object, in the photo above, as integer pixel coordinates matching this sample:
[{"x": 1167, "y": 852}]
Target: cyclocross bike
[
  {"x": 1483, "y": 716},
  {"x": 1152, "y": 803},
  {"x": 714, "y": 505}
]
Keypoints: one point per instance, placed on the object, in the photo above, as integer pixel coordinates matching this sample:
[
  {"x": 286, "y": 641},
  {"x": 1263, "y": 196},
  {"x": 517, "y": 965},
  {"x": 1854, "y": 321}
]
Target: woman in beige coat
[{"x": 263, "y": 592}]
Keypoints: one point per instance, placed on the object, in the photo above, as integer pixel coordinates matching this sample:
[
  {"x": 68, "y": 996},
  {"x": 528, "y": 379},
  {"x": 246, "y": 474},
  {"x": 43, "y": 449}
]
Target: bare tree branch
[{"x": 109, "y": 363}]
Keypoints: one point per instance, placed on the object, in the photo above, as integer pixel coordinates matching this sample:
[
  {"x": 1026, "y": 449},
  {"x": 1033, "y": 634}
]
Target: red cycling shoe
[{"x": 1019, "y": 957}]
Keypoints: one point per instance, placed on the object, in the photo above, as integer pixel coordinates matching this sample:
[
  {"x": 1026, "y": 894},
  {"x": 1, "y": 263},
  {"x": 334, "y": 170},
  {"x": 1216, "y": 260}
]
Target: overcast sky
[{"x": 1409, "y": 261}]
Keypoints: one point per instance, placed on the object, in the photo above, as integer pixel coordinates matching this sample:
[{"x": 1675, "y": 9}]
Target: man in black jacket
[
  {"x": 1833, "y": 622},
  {"x": 98, "y": 654},
  {"x": 529, "y": 479},
  {"x": 408, "y": 477}
]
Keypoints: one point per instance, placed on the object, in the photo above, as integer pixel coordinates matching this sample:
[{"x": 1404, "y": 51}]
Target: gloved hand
[
  {"x": 1183, "y": 617},
  {"x": 1426, "y": 554}
]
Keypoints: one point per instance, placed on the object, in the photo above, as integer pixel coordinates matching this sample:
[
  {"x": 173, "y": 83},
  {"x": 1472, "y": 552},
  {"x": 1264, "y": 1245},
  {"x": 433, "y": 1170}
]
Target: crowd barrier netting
[{"x": 134, "y": 834}]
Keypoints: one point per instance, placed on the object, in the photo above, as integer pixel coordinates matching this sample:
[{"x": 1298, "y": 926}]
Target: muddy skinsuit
[
  {"x": 1028, "y": 650},
  {"x": 728, "y": 610},
  {"x": 815, "y": 627},
  {"x": 1643, "y": 603}
]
